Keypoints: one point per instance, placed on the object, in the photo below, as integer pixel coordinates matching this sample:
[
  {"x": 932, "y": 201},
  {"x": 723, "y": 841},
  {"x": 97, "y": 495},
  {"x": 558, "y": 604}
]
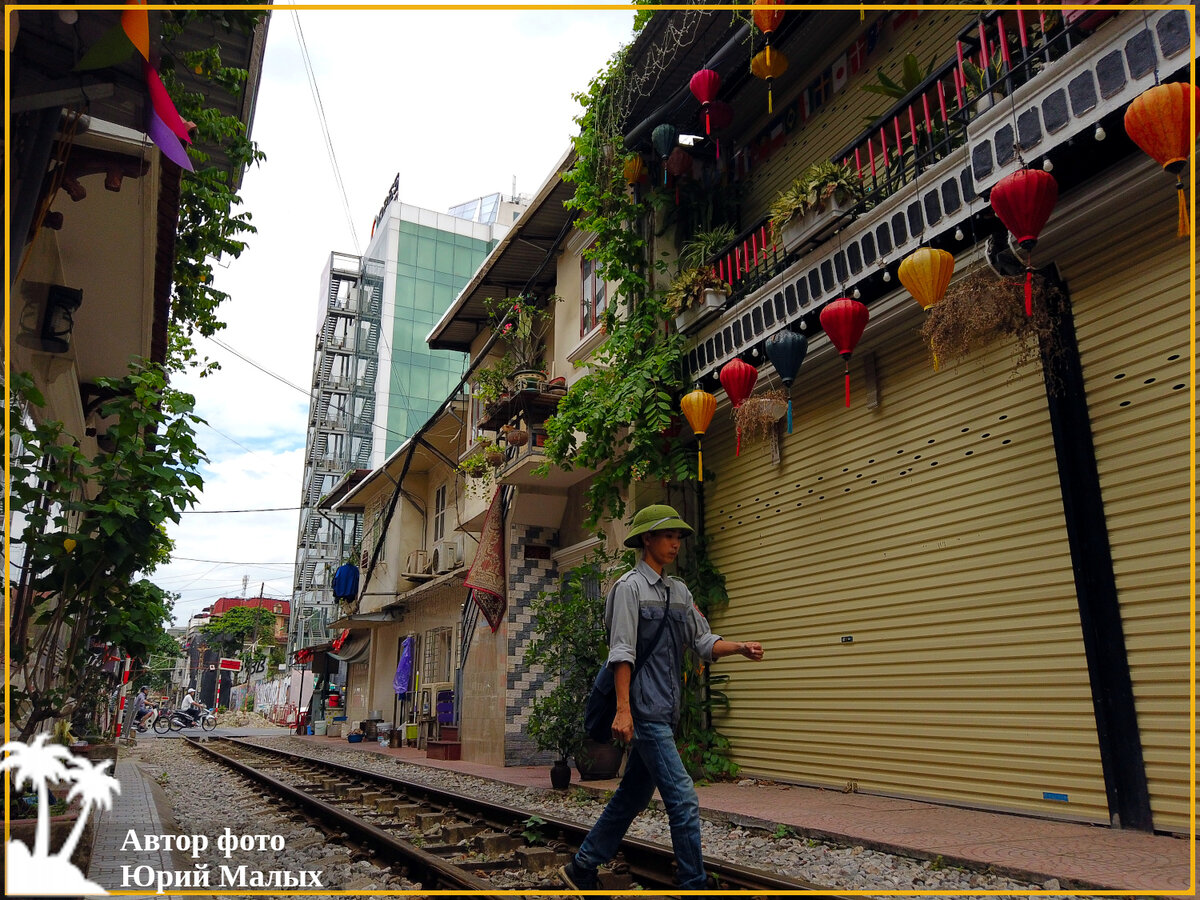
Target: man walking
[{"x": 650, "y": 618}]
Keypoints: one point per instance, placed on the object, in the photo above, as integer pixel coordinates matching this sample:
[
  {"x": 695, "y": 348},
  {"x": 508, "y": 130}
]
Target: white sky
[{"x": 458, "y": 102}]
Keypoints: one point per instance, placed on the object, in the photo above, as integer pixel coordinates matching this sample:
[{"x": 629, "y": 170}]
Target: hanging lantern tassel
[{"x": 1029, "y": 288}]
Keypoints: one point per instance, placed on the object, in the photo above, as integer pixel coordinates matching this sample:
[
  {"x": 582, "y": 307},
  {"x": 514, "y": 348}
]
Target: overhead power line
[{"x": 337, "y": 172}]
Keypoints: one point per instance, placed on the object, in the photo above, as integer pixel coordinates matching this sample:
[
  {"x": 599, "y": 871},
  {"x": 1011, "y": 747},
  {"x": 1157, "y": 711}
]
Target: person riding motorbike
[
  {"x": 141, "y": 708},
  {"x": 191, "y": 707}
]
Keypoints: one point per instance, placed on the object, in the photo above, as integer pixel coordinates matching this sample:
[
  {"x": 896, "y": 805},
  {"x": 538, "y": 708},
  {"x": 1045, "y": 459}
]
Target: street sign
[{"x": 230, "y": 665}]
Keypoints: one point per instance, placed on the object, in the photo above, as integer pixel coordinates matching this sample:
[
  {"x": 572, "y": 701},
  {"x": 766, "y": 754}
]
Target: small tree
[
  {"x": 89, "y": 528},
  {"x": 570, "y": 644},
  {"x": 233, "y": 629}
]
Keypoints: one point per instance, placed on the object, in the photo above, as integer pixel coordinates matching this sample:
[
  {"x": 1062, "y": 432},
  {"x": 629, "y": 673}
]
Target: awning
[
  {"x": 369, "y": 621},
  {"x": 355, "y": 650}
]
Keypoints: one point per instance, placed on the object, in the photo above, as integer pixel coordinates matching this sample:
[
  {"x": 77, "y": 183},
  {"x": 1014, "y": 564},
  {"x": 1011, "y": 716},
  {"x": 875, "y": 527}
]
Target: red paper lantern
[
  {"x": 704, "y": 85},
  {"x": 844, "y": 320},
  {"x": 720, "y": 115},
  {"x": 738, "y": 378},
  {"x": 1024, "y": 201},
  {"x": 679, "y": 162},
  {"x": 1163, "y": 121}
]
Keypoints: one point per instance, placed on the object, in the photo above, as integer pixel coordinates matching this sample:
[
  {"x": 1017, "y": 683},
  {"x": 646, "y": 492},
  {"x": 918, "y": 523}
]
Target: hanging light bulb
[
  {"x": 958, "y": 235},
  {"x": 1047, "y": 165},
  {"x": 887, "y": 276},
  {"x": 1100, "y": 134},
  {"x": 857, "y": 294}
]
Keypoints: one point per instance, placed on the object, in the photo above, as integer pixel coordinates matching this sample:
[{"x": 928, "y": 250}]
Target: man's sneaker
[{"x": 580, "y": 879}]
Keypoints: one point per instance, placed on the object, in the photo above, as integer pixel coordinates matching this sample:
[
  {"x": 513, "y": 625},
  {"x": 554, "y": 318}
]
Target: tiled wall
[{"x": 526, "y": 578}]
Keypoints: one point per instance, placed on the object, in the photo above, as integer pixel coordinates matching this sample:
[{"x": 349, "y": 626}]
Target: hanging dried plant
[
  {"x": 757, "y": 415},
  {"x": 981, "y": 308}
]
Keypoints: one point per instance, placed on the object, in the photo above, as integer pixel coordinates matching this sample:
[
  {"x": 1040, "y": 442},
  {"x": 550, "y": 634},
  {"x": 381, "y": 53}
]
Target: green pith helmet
[{"x": 658, "y": 517}]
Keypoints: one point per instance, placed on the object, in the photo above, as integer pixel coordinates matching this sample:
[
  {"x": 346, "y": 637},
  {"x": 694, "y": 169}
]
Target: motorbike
[
  {"x": 148, "y": 721},
  {"x": 176, "y": 720}
]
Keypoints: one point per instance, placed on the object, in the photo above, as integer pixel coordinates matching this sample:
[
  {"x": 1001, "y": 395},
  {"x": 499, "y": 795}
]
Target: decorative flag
[
  {"x": 163, "y": 105},
  {"x": 136, "y": 25},
  {"x": 165, "y": 138}
]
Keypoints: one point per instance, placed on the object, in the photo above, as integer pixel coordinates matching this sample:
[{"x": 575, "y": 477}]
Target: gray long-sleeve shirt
[{"x": 632, "y": 615}]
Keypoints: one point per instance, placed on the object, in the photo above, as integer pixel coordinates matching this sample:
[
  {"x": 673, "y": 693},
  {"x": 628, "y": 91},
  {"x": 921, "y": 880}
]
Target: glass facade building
[{"x": 375, "y": 380}]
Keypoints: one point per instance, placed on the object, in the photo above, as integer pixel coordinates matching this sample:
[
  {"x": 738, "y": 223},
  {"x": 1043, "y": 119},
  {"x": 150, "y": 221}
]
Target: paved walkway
[
  {"x": 136, "y": 808},
  {"x": 1080, "y": 857}
]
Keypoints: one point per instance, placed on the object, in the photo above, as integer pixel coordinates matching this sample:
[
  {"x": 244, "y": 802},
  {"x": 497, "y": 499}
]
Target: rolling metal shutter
[
  {"x": 1129, "y": 281},
  {"x": 907, "y": 570}
]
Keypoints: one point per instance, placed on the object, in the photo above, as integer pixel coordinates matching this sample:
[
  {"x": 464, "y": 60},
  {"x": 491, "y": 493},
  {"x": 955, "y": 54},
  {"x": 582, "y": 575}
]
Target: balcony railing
[
  {"x": 941, "y": 187},
  {"x": 1002, "y": 50}
]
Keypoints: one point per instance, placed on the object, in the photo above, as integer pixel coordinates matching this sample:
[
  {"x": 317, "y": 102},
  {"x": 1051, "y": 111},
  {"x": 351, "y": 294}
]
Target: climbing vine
[
  {"x": 625, "y": 404},
  {"x": 621, "y": 418}
]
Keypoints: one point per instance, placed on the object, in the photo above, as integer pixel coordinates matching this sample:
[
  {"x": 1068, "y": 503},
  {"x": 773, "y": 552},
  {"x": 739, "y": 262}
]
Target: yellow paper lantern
[
  {"x": 926, "y": 274},
  {"x": 698, "y": 407},
  {"x": 768, "y": 65},
  {"x": 635, "y": 169}
]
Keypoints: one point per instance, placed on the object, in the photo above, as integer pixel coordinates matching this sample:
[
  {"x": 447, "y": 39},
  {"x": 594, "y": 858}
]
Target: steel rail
[
  {"x": 649, "y": 862},
  {"x": 425, "y": 868}
]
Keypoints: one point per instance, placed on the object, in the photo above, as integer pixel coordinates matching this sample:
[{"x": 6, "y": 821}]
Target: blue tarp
[
  {"x": 404, "y": 667},
  {"x": 345, "y": 582}
]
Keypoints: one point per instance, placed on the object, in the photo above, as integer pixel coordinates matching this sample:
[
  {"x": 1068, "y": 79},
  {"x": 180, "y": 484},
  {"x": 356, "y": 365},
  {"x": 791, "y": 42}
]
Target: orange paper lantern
[{"x": 1163, "y": 120}]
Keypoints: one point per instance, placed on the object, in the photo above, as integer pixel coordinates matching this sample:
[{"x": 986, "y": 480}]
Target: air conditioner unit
[{"x": 446, "y": 557}]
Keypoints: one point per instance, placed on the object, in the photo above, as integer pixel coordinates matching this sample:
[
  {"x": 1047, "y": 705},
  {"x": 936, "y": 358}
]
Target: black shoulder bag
[{"x": 601, "y": 706}]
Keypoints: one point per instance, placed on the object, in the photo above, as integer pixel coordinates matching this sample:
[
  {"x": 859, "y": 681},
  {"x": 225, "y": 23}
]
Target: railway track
[{"x": 444, "y": 840}]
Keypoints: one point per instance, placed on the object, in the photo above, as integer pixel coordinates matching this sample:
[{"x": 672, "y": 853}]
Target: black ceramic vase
[{"x": 560, "y": 775}]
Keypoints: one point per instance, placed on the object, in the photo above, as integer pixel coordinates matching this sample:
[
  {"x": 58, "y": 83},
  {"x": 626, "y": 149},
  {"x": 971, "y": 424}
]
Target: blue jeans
[{"x": 653, "y": 762}]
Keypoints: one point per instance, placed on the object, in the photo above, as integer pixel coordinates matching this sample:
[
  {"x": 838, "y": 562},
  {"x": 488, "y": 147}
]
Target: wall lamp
[{"x": 59, "y": 318}]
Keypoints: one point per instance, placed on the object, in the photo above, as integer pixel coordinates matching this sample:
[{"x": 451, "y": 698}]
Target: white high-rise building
[{"x": 375, "y": 380}]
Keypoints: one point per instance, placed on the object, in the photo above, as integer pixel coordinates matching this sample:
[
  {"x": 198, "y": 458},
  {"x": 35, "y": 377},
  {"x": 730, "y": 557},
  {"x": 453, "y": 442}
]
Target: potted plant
[
  {"x": 570, "y": 645},
  {"x": 757, "y": 415},
  {"x": 804, "y": 210},
  {"x": 478, "y": 472},
  {"x": 493, "y": 382},
  {"x": 491, "y": 451},
  {"x": 522, "y": 326},
  {"x": 695, "y": 294}
]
